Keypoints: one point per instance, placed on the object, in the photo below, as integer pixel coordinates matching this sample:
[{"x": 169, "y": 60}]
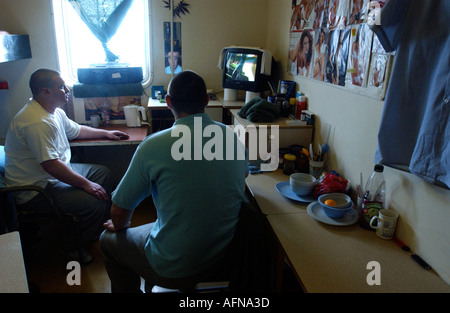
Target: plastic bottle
[
  {"x": 374, "y": 197},
  {"x": 105, "y": 115},
  {"x": 301, "y": 105}
]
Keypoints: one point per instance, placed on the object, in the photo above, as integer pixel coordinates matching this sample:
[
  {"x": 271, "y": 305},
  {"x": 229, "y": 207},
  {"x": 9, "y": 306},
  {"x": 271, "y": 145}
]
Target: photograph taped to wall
[
  {"x": 320, "y": 53},
  {"x": 338, "y": 13},
  {"x": 303, "y": 14},
  {"x": 336, "y": 65},
  {"x": 358, "y": 11},
  {"x": 359, "y": 55},
  {"x": 378, "y": 74},
  {"x": 320, "y": 10},
  {"x": 373, "y": 11},
  {"x": 172, "y": 53},
  {"x": 93, "y": 106},
  {"x": 301, "y": 53}
]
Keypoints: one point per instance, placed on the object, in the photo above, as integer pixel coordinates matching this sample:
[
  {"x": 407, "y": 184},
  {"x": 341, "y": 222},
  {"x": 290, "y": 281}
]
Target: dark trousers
[{"x": 90, "y": 211}]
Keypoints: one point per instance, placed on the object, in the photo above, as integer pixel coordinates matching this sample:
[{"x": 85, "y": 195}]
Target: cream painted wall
[
  {"x": 354, "y": 119},
  {"x": 19, "y": 17},
  {"x": 210, "y": 26}
]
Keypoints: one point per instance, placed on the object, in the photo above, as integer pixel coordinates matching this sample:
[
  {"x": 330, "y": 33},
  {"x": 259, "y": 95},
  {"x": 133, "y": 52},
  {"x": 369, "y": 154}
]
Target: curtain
[{"x": 103, "y": 17}]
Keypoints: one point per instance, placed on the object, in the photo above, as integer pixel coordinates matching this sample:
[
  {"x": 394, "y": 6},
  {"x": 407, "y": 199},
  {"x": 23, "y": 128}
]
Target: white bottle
[{"x": 374, "y": 197}]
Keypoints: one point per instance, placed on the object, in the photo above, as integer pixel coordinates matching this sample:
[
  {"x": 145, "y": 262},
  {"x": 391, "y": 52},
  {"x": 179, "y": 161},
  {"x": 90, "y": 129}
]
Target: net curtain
[{"x": 103, "y": 18}]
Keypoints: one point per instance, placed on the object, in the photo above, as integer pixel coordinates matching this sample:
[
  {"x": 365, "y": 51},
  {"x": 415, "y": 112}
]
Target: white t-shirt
[{"x": 35, "y": 136}]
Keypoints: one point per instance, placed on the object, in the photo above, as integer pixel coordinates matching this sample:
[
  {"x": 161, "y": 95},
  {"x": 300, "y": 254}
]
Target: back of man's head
[
  {"x": 42, "y": 78},
  {"x": 187, "y": 92}
]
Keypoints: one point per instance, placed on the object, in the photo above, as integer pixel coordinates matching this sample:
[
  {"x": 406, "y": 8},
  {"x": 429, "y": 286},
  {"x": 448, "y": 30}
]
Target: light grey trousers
[{"x": 126, "y": 263}]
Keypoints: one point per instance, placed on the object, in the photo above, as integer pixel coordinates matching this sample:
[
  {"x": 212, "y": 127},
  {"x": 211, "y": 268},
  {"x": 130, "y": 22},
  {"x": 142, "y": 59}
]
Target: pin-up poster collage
[{"x": 330, "y": 40}]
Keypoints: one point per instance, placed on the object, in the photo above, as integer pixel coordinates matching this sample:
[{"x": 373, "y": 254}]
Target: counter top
[
  {"x": 12, "y": 268},
  {"x": 327, "y": 258}
]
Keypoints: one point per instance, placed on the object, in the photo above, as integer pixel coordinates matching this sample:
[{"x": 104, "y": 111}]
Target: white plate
[
  {"x": 315, "y": 210},
  {"x": 285, "y": 189}
]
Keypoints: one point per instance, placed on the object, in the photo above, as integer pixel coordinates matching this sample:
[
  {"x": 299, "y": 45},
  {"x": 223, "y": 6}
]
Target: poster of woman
[
  {"x": 358, "y": 60},
  {"x": 338, "y": 13},
  {"x": 301, "y": 53},
  {"x": 303, "y": 14},
  {"x": 320, "y": 51},
  {"x": 358, "y": 11},
  {"x": 336, "y": 64}
]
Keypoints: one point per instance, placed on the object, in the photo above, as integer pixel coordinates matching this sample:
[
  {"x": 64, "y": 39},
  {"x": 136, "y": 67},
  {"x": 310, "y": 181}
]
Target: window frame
[{"x": 61, "y": 40}]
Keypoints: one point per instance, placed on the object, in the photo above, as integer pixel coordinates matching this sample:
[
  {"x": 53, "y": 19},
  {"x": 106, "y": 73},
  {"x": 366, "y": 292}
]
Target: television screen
[
  {"x": 241, "y": 66},
  {"x": 242, "y": 69}
]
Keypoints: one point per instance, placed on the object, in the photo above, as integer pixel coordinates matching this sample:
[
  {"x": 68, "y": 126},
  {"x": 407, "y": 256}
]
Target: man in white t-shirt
[{"x": 38, "y": 153}]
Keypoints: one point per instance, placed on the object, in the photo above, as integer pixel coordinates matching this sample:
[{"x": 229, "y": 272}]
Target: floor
[
  {"x": 47, "y": 273},
  {"x": 46, "y": 267}
]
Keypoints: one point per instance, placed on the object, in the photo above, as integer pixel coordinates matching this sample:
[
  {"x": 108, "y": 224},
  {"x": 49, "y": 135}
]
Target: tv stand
[
  {"x": 232, "y": 95},
  {"x": 249, "y": 95}
]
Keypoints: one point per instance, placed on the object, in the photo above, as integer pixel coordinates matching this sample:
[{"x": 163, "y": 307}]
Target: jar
[
  {"x": 281, "y": 153},
  {"x": 303, "y": 164},
  {"x": 289, "y": 163}
]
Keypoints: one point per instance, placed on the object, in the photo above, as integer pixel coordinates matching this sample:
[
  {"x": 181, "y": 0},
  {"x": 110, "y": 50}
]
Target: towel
[{"x": 259, "y": 110}]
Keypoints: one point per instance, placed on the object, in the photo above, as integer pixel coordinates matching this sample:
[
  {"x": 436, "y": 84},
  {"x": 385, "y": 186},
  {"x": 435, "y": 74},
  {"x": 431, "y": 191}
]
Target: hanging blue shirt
[{"x": 414, "y": 132}]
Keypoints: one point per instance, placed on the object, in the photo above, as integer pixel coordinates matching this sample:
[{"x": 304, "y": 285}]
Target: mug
[
  {"x": 95, "y": 121},
  {"x": 387, "y": 221}
]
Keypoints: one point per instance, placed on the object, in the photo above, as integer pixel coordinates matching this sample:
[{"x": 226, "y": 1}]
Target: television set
[{"x": 245, "y": 68}]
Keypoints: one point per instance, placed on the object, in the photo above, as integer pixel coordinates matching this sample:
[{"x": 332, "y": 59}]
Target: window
[{"x": 79, "y": 48}]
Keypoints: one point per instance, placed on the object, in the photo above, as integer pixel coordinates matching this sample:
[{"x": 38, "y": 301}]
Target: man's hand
[
  {"x": 96, "y": 133},
  {"x": 96, "y": 190},
  {"x": 120, "y": 219},
  {"x": 64, "y": 173},
  {"x": 116, "y": 135},
  {"x": 109, "y": 225}
]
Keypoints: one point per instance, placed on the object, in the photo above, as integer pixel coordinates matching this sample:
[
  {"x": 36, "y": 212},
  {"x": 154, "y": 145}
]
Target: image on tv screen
[{"x": 241, "y": 66}]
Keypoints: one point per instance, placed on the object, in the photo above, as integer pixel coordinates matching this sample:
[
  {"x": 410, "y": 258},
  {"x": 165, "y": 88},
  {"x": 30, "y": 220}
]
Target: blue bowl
[
  {"x": 336, "y": 212},
  {"x": 341, "y": 199}
]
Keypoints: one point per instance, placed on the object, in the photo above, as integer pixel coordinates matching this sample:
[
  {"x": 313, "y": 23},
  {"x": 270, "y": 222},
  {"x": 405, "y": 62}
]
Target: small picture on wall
[
  {"x": 156, "y": 90},
  {"x": 172, "y": 53}
]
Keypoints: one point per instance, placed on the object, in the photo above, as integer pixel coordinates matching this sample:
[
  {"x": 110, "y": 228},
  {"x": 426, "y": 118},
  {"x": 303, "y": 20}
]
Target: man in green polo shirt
[{"x": 196, "y": 177}]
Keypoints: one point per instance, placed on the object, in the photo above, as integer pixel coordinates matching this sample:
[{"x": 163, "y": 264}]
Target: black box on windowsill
[{"x": 110, "y": 75}]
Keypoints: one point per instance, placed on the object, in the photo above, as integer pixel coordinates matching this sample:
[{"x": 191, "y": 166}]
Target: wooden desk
[
  {"x": 12, "y": 269},
  {"x": 161, "y": 117},
  {"x": 137, "y": 134},
  {"x": 114, "y": 154},
  {"x": 329, "y": 258}
]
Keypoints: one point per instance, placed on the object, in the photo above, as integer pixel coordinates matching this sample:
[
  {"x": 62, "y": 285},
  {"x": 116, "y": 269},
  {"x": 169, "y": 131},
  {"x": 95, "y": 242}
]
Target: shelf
[{"x": 14, "y": 47}]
